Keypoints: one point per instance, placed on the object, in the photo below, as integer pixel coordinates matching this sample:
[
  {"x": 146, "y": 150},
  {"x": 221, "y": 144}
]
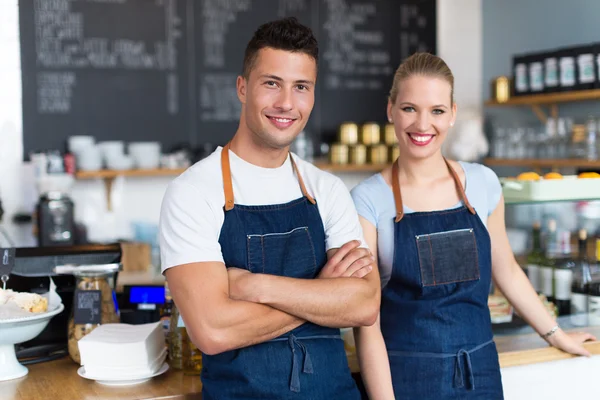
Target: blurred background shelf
[
  {"x": 111, "y": 174},
  {"x": 542, "y": 163},
  {"x": 549, "y": 98},
  {"x": 349, "y": 168}
]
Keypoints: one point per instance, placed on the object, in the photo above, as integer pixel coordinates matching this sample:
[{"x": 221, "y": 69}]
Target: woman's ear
[{"x": 389, "y": 112}]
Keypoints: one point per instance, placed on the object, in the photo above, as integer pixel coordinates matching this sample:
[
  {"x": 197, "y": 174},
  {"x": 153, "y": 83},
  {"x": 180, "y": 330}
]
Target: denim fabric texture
[
  {"x": 310, "y": 361},
  {"x": 434, "y": 314}
]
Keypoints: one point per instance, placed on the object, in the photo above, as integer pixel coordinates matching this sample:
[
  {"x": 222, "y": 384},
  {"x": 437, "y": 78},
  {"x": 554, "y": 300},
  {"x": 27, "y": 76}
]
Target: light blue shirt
[{"x": 374, "y": 201}]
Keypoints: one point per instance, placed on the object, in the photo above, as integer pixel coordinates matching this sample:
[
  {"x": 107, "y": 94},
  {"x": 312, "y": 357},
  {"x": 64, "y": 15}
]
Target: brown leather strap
[
  {"x": 459, "y": 188},
  {"x": 398, "y": 195},
  {"x": 301, "y": 182},
  {"x": 396, "y": 191},
  {"x": 227, "y": 184}
]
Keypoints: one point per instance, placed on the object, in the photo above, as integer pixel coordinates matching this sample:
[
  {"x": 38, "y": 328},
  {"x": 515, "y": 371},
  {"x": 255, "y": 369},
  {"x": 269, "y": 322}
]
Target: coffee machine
[{"x": 55, "y": 220}]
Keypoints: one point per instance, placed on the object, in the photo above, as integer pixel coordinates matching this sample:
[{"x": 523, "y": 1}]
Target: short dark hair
[{"x": 283, "y": 34}]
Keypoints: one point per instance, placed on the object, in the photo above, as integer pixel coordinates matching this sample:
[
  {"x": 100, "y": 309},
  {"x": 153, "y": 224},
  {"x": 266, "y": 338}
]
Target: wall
[
  {"x": 518, "y": 26},
  {"x": 459, "y": 42}
]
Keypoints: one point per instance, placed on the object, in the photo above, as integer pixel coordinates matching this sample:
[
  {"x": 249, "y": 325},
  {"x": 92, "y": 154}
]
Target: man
[{"x": 261, "y": 249}]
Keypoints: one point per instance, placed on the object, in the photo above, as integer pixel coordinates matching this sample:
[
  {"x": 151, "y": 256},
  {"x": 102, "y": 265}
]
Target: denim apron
[
  {"x": 308, "y": 362},
  {"x": 434, "y": 314}
]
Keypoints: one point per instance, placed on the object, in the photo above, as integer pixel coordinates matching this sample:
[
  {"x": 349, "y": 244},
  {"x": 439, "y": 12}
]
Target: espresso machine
[{"x": 55, "y": 220}]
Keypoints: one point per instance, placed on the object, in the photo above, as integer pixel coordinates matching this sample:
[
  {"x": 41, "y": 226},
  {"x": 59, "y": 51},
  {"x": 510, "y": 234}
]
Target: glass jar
[
  {"x": 183, "y": 353},
  {"x": 94, "y": 304}
]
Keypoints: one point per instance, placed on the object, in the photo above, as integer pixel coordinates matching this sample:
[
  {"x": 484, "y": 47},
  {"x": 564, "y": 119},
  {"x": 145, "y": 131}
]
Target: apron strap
[
  {"x": 228, "y": 185},
  {"x": 398, "y": 194},
  {"x": 396, "y": 191},
  {"x": 301, "y": 182},
  {"x": 459, "y": 188}
]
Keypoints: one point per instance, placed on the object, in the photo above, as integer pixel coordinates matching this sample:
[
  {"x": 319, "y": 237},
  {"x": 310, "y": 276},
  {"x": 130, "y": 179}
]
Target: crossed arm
[{"x": 345, "y": 294}]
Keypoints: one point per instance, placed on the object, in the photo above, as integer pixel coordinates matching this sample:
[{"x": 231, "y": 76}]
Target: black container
[
  {"x": 551, "y": 72},
  {"x": 587, "y": 75},
  {"x": 55, "y": 220},
  {"x": 535, "y": 68},
  {"x": 521, "y": 75},
  {"x": 567, "y": 67}
]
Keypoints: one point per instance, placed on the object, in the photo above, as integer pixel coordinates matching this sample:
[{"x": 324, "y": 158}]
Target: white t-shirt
[{"x": 192, "y": 209}]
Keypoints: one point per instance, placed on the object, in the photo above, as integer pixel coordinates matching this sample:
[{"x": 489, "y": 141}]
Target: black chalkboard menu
[{"x": 166, "y": 70}]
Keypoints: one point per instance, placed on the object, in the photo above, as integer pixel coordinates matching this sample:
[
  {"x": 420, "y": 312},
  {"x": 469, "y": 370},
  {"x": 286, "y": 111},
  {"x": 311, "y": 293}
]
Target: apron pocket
[
  {"x": 288, "y": 254},
  {"x": 448, "y": 257}
]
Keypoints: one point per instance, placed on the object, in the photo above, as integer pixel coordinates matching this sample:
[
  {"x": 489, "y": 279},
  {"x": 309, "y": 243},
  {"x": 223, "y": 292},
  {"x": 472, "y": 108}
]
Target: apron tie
[
  {"x": 458, "y": 371},
  {"x": 307, "y": 365}
]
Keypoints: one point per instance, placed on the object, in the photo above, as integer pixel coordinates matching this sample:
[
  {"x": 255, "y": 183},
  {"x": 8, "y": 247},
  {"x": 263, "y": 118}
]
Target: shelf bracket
[
  {"x": 108, "y": 184},
  {"x": 537, "y": 110}
]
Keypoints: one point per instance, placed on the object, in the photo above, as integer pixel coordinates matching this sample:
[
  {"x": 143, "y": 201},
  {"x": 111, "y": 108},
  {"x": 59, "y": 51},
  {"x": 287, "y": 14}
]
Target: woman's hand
[{"x": 571, "y": 342}]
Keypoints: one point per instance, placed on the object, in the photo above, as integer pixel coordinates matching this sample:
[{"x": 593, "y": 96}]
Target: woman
[{"x": 437, "y": 227}]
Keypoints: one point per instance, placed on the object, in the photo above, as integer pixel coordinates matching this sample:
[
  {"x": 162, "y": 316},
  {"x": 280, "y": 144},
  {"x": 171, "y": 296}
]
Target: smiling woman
[{"x": 437, "y": 227}]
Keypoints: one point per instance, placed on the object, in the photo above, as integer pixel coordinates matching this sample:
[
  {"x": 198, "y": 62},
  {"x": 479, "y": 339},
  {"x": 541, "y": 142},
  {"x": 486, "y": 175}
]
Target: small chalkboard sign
[
  {"x": 7, "y": 263},
  {"x": 87, "y": 307}
]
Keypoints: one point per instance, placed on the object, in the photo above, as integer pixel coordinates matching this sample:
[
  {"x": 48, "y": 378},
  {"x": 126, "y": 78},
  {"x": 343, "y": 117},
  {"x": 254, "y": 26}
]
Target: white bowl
[
  {"x": 78, "y": 143},
  {"x": 146, "y": 155},
  {"x": 19, "y": 330}
]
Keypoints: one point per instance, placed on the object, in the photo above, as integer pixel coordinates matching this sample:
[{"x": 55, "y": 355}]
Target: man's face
[{"x": 278, "y": 96}]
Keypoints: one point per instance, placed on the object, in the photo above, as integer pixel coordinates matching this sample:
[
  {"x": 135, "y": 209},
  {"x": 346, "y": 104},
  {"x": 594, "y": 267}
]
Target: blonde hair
[{"x": 423, "y": 64}]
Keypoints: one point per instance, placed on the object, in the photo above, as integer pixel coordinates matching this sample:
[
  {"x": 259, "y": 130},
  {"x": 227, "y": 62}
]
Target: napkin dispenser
[{"x": 32, "y": 268}]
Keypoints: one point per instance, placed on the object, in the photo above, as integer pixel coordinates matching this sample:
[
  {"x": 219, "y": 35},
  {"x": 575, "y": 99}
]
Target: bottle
[
  {"x": 551, "y": 72},
  {"x": 563, "y": 275},
  {"x": 521, "y": 76},
  {"x": 547, "y": 264},
  {"x": 581, "y": 281},
  {"x": 586, "y": 67},
  {"x": 567, "y": 74},
  {"x": 175, "y": 340},
  {"x": 534, "y": 259},
  {"x": 591, "y": 151},
  {"x": 536, "y": 73},
  {"x": 594, "y": 303},
  {"x": 165, "y": 312},
  {"x": 183, "y": 353}
]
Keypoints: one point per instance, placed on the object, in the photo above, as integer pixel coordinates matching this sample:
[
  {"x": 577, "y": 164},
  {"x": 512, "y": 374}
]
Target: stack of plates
[{"x": 122, "y": 354}]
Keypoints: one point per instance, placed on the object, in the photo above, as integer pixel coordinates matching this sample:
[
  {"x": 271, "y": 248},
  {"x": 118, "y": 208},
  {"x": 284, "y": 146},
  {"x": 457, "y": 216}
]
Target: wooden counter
[{"x": 58, "y": 380}]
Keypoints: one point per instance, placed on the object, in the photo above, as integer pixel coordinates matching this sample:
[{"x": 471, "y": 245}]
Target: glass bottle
[
  {"x": 581, "y": 280},
  {"x": 183, "y": 353},
  {"x": 563, "y": 275},
  {"x": 547, "y": 264},
  {"x": 94, "y": 304},
  {"x": 534, "y": 259},
  {"x": 591, "y": 152},
  {"x": 175, "y": 340}
]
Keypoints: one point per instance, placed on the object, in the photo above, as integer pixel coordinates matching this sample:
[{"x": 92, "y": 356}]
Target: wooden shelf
[
  {"x": 542, "y": 163},
  {"x": 111, "y": 174},
  {"x": 349, "y": 167},
  {"x": 548, "y": 98}
]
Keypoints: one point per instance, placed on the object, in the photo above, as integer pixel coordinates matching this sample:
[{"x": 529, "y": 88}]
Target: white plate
[{"x": 123, "y": 381}]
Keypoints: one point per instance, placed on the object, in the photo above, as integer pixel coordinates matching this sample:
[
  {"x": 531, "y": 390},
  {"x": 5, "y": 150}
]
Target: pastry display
[{"x": 30, "y": 302}]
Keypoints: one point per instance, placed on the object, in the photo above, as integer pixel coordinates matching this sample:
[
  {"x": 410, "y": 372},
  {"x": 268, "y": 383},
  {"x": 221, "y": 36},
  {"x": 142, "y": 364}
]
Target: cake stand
[{"x": 19, "y": 330}]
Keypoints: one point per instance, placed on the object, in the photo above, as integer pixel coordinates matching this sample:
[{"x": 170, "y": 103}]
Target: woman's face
[{"x": 422, "y": 114}]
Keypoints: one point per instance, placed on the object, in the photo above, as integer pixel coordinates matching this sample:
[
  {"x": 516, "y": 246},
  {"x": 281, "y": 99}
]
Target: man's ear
[{"x": 242, "y": 86}]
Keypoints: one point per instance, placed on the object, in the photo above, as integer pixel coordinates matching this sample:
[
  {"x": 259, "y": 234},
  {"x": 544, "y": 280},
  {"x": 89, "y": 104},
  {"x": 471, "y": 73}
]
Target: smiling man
[{"x": 264, "y": 252}]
